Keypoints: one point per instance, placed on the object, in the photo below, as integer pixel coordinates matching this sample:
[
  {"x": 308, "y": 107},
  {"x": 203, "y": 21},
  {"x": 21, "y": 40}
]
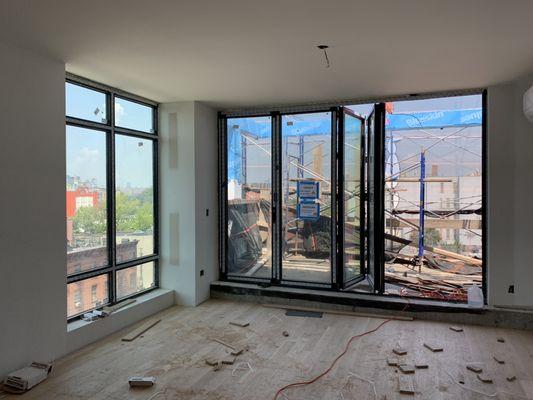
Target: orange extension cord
[{"x": 346, "y": 348}]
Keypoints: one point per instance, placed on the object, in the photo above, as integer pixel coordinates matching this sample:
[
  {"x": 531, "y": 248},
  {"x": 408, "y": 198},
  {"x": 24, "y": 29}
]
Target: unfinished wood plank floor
[{"x": 174, "y": 351}]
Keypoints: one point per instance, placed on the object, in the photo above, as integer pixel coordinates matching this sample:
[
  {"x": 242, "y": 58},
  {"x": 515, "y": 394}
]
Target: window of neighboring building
[{"x": 111, "y": 194}]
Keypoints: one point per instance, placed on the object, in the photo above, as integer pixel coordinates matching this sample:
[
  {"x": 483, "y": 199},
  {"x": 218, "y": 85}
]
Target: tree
[
  {"x": 90, "y": 221},
  {"x": 134, "y": 213}
]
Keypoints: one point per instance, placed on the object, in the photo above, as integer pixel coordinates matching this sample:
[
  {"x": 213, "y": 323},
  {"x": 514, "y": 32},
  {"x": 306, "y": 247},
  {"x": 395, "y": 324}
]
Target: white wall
[
  {"x": 510, "y": 195},
  {"x": 206, "y": 171},
  {"x": 188, "y": 176},
  {"x": 32, "y": 208}
]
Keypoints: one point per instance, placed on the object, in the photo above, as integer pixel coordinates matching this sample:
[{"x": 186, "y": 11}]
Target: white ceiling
[{"x": 244, "y": 52}]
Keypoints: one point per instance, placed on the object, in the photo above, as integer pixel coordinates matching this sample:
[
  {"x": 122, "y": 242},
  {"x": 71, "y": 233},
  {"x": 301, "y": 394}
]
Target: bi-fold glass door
[{"x": 298, "y": 190}]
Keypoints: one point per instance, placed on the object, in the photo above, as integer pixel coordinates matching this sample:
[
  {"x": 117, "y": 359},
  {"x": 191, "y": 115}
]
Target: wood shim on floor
[
  {"x": 433, "y": 347},
  {"x": 339, "y": 312},
  {"x": 134, "y": 334},
  {"x": 406, "y": 384},
  {"x": 239, "y": 323}
]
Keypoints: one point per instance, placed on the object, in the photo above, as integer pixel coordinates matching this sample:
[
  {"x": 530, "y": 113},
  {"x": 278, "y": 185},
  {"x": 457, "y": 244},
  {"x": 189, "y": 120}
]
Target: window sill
[{"x": 81, "y": 333}]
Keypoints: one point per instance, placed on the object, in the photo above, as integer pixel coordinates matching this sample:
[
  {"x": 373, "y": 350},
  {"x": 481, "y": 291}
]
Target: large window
[
  {"x": 386, "y": 198},
  {"x": 111, "y": 195}
]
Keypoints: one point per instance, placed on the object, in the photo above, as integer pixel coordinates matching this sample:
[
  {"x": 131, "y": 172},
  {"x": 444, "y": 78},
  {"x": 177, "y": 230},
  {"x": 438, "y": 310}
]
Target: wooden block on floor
[
  {"x": 211, "y": 361},
  {"x": 461, "y": 378},
  {"x": 499, "y": 359},
  {"x": 237, "y": 352},
  {"x": 421, "y": 365},
  {"x": 134, "y": 334},
  {"x": 501, "y": 339},
  {"x": 433, "y": 347},
  {"x": 399, "y": 351},
  {"x": 484, "y": 378},
  {"x": 407, "y": 368},
  {"x": 474, "y": 368},
  {"x": 229, "y": 361},
  {"x": 392, "y": 361},
  {"x": 456, "y": 328},
  {"x": 406, "y": 384},
  {"x": 511, "y": 378},
  {"x": 242, "y": 324}
]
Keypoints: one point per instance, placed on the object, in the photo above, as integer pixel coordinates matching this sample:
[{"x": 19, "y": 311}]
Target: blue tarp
[{"x": 259, "y": 128}]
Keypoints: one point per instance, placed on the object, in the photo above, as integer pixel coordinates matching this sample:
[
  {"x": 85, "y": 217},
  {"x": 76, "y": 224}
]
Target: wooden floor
[{"x": 174, "y": 351}]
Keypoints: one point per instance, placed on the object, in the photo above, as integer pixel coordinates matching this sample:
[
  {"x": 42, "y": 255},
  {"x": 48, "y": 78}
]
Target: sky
[{"x": 86, "y": 148}]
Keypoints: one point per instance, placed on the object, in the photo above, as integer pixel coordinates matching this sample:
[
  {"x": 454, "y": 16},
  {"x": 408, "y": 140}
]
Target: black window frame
[
  {"x": 111, "y": 130},
  {"x": 336, "y": 108}
]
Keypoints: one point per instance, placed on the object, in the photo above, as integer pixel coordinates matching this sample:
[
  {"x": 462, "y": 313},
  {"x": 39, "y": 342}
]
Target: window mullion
[{"x": 111, "y": 201}]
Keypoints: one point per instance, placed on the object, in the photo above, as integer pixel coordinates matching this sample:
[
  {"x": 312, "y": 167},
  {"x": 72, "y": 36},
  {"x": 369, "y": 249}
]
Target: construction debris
[
  {"x": 407, "y": 368},
  {"x": 461, "y": 378},
  {"x": 229, "y": 361},
  {"x": 399, "y": 351},
  {"x": 141, "y": 381},
  {"x": 484, "y": 378},
  {"x": 433, "y": 347},
  {"x": 421, "y": 365},
  {"x": 140, "y": 330},
  {"x": 501, "y": 339},
  {"x": 474, "y": 368},
  {"x": 233, "y": 348},
  {"x": 456, "y": 328},
  {"x": 285, "y": 333},
  {"x": 211, "y": 361},
  {"x": 406, "y": 384},
  {"x": 392, "y": 361},
  {"x": 241, "y": 324},
  {"x": 237, "y": 352},
  {"x": 511, "y": 378},
  {"x": 499, "y": 360},
  {"x": 24, "y": 379}
]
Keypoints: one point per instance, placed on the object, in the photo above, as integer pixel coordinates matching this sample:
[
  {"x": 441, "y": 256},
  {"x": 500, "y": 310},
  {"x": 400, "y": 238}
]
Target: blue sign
[
  {"x": 308, "y": 190},
  {"x": 308, "y": 211}
]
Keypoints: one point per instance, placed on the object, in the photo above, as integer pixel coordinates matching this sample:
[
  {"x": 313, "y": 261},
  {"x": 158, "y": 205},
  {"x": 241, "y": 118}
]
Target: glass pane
[
  {"x": 352, "y": 198},
  {"x": 306, "y": 220},
  {"x": 87, "y": 294},
  {"x": 135, "y": 279},
  {"x": 134, "y": 197},
  {"x": 249, "y": 196},
  {"x": 85, "y": 103},
  {"x": 86, "y": 200},
  {"x": 433, "y": 196},
  {"x": 132, "y": 115}
]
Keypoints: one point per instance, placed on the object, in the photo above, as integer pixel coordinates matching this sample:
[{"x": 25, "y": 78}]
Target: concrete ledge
[
  {"x": 382, "y": 305},
  {"x": 81, "y": 333}
]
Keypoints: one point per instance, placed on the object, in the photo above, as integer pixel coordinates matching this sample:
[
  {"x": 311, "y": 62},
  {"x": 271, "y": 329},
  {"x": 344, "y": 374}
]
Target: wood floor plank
[{"x": 175, "y": 351}]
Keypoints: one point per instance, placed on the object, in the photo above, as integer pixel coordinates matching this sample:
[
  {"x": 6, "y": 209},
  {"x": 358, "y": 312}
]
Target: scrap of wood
[
  {"x": 461, "y": 378},
  {"x": 511, "y": 378},
  {"x": 233, "y": 348},
  {"x": 501, "y": 340},
  {"x": 474, "y": 368},
  {"x": 229, "y": 361},
  {"x": 111, "y": 309},
  {"x": 339, "y": 312},
  {"x": 406, "y": 384},
  {"x": 433, "y": 347},
  {"x": 237, "y": 352},
  {"x": 498, "y": 359},
  {"x": 392, "y": 361},
  {"x": 456, "y": 328},
  {"x": 421, "y": 365},
  {"x": 216, "y": 367},
  {"x": 285, "y": 333},
  {"x": 484, "y": 378},
  {"x": 399, "y": 351},
  {"x": 140, "y": 330},
  {"x": 407, "y": 368},
  {"x": 211, "y": 361},
  {"x": 241, "y": 324}
]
